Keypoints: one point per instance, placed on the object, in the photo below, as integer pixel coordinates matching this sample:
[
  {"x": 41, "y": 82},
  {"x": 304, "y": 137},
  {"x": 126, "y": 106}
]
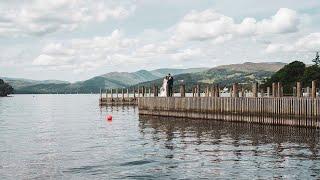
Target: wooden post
[
  {"x": 235, "y": 90},
  {"x": 279, "y": 93},
  {"x": 193, "y": 91},
  {"x": 198, "y": 91},
  {"x": 128, "y": 94},
  {"x": 207, "y": 91},
  {"x": 143, "y": 91},
  {"x": 155, "y": 90},
  {"x": 268, "y": 91},
  {"x": 111, "y": 94},
  {"x": 122, "y": 94},
  {"x": 149, "y": 92},
  {"x": 100, "y": 94},
  {"x": 134, "y": 93},
  {"x": 255, "y": 89},
  {"x": 182, "y": 90},
  {"x": 117, "y": 93},
  {"x": 314, "y": 89},
  {"x": 217, "y": 90},
  {"x": 213, "y": 90},
  {"x": 299, "y": 89},
  {"x": 274, "y": 89}
]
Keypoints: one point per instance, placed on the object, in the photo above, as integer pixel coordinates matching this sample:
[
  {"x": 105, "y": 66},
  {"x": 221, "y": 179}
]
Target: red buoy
[{"x": 109, "y": 118}]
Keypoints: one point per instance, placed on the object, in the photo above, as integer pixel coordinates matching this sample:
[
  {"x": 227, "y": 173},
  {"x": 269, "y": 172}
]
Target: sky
[{"x": 75, "y": 40}]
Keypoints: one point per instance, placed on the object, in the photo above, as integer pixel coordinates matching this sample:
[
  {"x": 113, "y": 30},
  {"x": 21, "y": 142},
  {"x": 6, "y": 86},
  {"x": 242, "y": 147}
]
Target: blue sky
[{"x": 78, "y": 39}]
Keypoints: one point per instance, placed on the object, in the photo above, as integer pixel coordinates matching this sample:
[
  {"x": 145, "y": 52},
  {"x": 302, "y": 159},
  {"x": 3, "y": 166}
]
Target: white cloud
[
  {"x": 284, "y": 21},
  {"x": 85, "y": 54},
  {"x": 309, "y": 42},
  {"x": 38, "y": 17},
  {"x": 188, "y": 54},
  {"x": 211, "y": 25},
  {"x": 193, "y": 43}
]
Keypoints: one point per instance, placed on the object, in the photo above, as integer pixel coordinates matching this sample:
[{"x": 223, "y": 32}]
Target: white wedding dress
[{"x": 163, "y": 89}]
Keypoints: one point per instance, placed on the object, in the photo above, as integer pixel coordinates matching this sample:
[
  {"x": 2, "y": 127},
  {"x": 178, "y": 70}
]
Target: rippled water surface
[{"x": 67, "y": 137}]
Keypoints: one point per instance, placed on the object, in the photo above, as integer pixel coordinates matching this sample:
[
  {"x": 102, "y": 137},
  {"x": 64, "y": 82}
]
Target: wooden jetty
[
  {"x": 125, "y": 97},
  {"x": 279, "y": 110},
  {"x": 256, "y": 106}
]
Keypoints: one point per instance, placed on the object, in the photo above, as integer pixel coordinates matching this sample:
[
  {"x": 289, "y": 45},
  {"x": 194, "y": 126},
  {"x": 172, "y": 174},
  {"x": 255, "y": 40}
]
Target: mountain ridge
[{"x": 224, "y": 74}]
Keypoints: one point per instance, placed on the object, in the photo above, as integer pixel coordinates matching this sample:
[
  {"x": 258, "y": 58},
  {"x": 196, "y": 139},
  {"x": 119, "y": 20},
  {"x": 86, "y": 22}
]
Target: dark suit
[{"x": 170, "y": 86}]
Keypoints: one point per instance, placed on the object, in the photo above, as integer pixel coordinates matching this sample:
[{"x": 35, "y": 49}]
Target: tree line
[
  {"x": 294, "y": 72},
  {"x": 5, "y": 89}
]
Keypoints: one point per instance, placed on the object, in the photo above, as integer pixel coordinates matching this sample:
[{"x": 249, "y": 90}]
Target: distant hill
[
  {"x": 253, "y": 67},
  {"x": 109, "y": 80},
  {"x": 224, "y": 75},
  {"x": 20, "y": 82}
]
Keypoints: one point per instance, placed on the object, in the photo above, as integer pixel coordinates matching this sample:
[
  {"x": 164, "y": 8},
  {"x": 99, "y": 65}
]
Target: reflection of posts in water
[{"x": 205, "y": 130}]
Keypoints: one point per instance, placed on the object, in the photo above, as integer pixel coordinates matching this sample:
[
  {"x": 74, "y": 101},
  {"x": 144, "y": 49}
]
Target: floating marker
[{"x": 109, "y": 118}]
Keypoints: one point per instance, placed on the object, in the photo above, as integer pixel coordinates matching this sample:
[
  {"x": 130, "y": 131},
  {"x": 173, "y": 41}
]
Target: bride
[{"x": 163, "y": 89}]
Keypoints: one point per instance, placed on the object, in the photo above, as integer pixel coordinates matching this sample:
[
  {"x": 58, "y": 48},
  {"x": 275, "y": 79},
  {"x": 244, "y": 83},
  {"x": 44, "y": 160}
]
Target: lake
[{"x": 68, "y": 137}]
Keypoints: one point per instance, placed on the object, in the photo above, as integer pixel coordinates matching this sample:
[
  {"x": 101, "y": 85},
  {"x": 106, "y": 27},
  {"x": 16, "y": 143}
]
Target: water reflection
[{"x": 229, "y": 148}]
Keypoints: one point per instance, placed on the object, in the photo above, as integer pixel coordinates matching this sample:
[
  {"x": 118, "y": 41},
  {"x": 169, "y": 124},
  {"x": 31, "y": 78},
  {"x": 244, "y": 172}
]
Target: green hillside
[
  {"x": 21, "y": 82},
  {"x": 225, "y": 75},
  {"x": 93, "y": 85}
]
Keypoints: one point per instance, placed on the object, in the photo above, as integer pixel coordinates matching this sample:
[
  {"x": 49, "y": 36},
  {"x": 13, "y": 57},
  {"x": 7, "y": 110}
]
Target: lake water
[{"x": 67, "y": 137}]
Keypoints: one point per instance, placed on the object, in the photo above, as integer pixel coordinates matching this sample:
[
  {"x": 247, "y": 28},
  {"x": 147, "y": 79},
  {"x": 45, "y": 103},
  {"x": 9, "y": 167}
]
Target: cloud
[
  {"x": 83, "y": 55},
  {"x": 188, "y": 54},
  {"x": 309, "y": 42},
  {"x": 284, "y": 21},
  {"x": 211, "y": 25},
  {"x": 191, "y": 42},
  {"x": 38, "y": 17}
]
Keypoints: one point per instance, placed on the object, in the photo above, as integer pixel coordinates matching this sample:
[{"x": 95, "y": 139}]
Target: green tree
[
  {"x": 311, "y": 73},
  {"x": 288, "y": 76},
  {"x": 5, "y": 89}
]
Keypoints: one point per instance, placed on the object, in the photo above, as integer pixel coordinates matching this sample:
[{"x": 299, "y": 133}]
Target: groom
[{"x": 170, "y": 85}]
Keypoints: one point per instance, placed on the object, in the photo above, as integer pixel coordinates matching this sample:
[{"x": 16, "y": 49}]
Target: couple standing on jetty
[{"x": 167, "y": 87}]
